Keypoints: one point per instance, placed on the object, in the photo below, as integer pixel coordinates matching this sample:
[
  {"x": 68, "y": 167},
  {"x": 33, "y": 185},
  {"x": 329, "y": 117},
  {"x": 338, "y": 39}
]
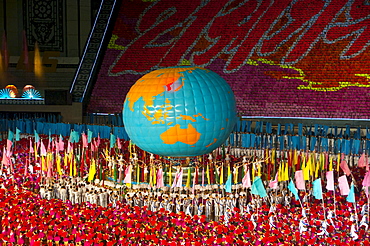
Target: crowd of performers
[{"x": 54, "y": 202}]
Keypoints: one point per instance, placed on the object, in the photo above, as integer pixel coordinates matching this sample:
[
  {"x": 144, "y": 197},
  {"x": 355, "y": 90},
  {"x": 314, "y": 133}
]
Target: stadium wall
[{"x": 281, "y": 58}]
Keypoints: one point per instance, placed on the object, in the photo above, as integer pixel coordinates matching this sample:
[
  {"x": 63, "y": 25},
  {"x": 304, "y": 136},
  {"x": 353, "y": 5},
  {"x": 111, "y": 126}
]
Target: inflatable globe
[{"x": 179, "y": 111}]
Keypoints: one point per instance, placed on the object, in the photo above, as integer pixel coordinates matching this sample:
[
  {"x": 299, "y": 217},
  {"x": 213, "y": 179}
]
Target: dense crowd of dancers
[{"x": 69, "y": 210}]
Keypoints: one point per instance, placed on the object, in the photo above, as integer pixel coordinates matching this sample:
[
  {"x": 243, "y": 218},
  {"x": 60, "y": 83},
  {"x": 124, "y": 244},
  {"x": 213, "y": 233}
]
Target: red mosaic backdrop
[{"x": 281, "y": 58}]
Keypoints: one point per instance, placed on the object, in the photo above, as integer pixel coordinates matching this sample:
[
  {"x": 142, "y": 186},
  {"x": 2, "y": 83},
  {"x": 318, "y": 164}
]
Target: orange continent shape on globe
[
  {"x": 155, "y": 83},
  {"x": 175, "y": 134}
]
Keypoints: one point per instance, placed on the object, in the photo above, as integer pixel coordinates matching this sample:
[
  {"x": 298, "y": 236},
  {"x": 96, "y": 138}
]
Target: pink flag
[
  {"x": 98, "y": 141},
  {"x": 84, "y": 141},
  {"x": 5, "y": 159},
  {"x": 127, "y": 179},
  {"x": 92, "y": 144},
  {"x": 174, "y": 183},
  {"x": 361, "y": 161},
  {"x": 119, "y": 145},
  {"x": 31, "y": 147},
  {"x": 26, "y": 168},
  {"x": 299, "y": 180},
  {"x": 273, "y": 184},
  {"x": 366, "y": 183},
  {"x": 345, "y": 168},
  {"x": 343, "y": 185},
  {"x": 8, "y": 145},
  {"x": 203, "y": 176},
  {"x": 160, "y": 182},
  {"x": 38, "y": 145},
  {"x": 330, "y": 180},
  {"x": 70, "y": 147},
  {"x": 179, "y": 179},
  {"x": 61, "y": 144},
  {"x": 56, "y": 146},
  {"x": 247, "y": 180},
  {"x": 42, "y": 150}
]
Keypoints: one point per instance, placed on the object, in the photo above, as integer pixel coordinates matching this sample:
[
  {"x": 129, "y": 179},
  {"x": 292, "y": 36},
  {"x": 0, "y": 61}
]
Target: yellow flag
[
  {"x": 295, "y": 157},
  {"x": 338, "y": 162},
  {"x": 236, "y": 175},
  {"x": 253, "y": 171},
  {"x": 59, "y": 170},
  {"x": 303, "y": 161},
  {"x": 273, "y": 154},
  {"x": 138, "y": 173},
  {"x": 74, "y": 167},
  {"x": 331, "y": 164},
  {"x": 222, "y": 175},
  {"x": 208, "y": 176},
  {"x": 129, "y": 148},
  {"x": 280, "y": 173},
  {"x": 35, "y": 149},
  {"x": 188, "y": 179},
  {"x": 306, "y": 170},
  {"x": 92, "y": 170},
  {"x": 47, "y": 161},
  {"x": 317, "y": 169},
  {"x": 286, "y": 172},
  {"x": 313, "y": 164},
  {"x": 70, "y": 164},
  {"x": 259, "y": 170},
  {"x": 322, "y": 161},
  {"x": 43, "y": 164},
  {"x": 154, "y": 178},
  {"x": 70, "y": 169},
  {"x": 65, "y": 160},
  {"x": 170, "y": 176}
]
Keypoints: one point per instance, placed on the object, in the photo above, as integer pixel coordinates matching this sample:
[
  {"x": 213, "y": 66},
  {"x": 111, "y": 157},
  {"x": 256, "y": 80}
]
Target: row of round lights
[{"x": 11, "y": 91}]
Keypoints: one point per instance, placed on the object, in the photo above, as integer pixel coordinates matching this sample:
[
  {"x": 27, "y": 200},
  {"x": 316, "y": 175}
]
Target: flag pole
[
  {"x": 355, "y": 207},
  {"x": 368, "y": 205},
  {"x": 323, "y": 206},
  {"x": 335, "y": 202}
]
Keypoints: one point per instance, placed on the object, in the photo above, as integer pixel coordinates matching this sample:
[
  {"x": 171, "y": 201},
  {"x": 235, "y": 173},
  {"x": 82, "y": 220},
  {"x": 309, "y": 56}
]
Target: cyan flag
[
  {"x": 317, "y": 189},
  {"x": 17, "y": 134},
  {"x": 293, "y": 189},
  {"x": 76, "y": 136},
  {"x": 89, "y": 135},
  {"x": 112, "y": 140},
  {"x": 228, "y": 183},
  {"x": 258, "y": 188},
  {"x": 37, "y": 138},
  {"x": 71, "y": 137},
  {"x": 351, "y": 195},
  {"x": 10, "y": 135}
]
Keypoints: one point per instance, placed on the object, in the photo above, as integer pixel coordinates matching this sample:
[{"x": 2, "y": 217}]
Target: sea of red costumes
[{"x": 26, "y": 219}]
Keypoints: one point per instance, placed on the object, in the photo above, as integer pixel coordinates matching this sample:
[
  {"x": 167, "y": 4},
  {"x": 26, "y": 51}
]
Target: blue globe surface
[{"x": 179, "y": 111}]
